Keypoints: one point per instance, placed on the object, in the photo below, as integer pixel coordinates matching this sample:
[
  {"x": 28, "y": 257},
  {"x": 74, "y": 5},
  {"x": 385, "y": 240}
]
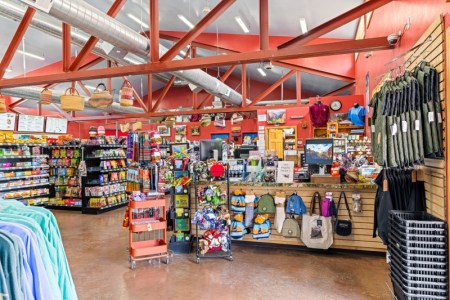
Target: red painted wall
[{"x": 392, "y": 18}]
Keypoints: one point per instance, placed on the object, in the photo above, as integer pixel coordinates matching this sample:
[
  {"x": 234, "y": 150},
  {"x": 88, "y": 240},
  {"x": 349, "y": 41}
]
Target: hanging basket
[
  {"x": 46, "y": 96},
  {"x": 126, "y": 94},
  {"x": 72, "y": 101},
  {"x": 2, "y": 104},
  {"x": 101, "y": 97}
]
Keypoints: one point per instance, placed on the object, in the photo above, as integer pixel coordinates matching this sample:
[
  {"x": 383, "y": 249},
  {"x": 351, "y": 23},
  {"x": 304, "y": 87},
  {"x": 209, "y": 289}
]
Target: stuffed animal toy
[
  {"x": 224, "y": 214},
  {"x": 204, "y": 246}
]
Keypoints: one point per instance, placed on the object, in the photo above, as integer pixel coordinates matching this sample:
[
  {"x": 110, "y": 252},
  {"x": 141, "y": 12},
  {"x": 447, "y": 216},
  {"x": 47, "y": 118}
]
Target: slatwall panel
[
  {"x": 361, "y": 238},
  {"x": 434, "y": 172}
]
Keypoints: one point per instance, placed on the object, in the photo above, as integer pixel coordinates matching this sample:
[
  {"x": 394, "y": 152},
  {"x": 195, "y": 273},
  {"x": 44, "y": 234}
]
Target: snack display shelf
[
  {"x": 105, "y": 183},
  {"x": 24, "y": 177},
  {"x": 62, "y": 146},
  {"x": 100, "y": 170},
  {"x": 23, "y": 156},
  {"x": 25, "y": 168},
  {"x": 105, "y": 157},
  {"x": 108, "y": 195},
  {"x": 35, "y": 201},
  {"x": 27, "y": 197},
  {"x": 23, "y": 144},
  {"x": 107, "y": 146},
  {"x": 64, "y": 206},
  {"x": 70, "y": 185},
  {"x": 63, "y": 167},
  {"x": 23, "y": 186},
  {"x": 102, "y": 209}
]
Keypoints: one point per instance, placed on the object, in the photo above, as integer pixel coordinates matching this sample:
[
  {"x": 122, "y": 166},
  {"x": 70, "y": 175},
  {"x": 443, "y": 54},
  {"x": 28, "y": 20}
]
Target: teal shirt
[
  {"x": 4, "y": 293},
  {"x": 52, "y": 235},
  {"x": 10, "y": 261}
]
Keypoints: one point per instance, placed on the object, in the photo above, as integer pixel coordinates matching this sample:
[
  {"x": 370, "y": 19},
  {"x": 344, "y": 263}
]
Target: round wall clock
[{"x": 335, "y": 105}]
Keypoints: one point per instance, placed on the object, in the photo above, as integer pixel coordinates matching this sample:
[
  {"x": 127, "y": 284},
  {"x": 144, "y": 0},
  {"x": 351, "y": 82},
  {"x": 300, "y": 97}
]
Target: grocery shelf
[
  {"x": 23, "y": 144},
  {"x": 24, "y": 177},
  {"x": 103, "y": 209},
  {"x": 23, "y": 156},
  {"x": 24, "y": 168},
  {"x": 108, "y": 195},
  {"x": 105, "y": 183},
  {"x": 23, "y": 186},
  {"x": 107, "y": 145},
  {"x": 63, "y": 207},
  {"x": 100, "y": 170},
  {"x": 105, "y": 157},
  {"x": 62, "y": 146},
  {"x": 28, "y": 197}
]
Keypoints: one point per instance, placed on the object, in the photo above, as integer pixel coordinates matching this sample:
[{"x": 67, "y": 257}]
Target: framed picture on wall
[
  {"x": 276, "y": 116},
  {"x": 180, "y": 129},
  {"x": 179, "y": 148},
  {"x": 195, "y": 130},
  {"x": 220, "y": 136},
  {"x": 163, "y": 130}
]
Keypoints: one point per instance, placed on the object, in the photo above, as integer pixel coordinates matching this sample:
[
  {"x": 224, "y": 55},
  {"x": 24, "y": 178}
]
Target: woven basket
[
  {"x": 72, "y": 101},
  {"x": 46, "y": 96},
  {"x": 136, "y": 126},
  {"x": 126, "y": 94},
  {"x": 2, "y": 104},
  {"x": 100, "y": 98}
]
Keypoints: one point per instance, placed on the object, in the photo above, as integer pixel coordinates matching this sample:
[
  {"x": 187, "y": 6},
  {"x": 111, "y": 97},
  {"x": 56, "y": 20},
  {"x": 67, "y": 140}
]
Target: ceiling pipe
[
  {"x": 14, "y": 10},
  {"x": 86, "y": 17},
  {"x": 32, "y": 93}
]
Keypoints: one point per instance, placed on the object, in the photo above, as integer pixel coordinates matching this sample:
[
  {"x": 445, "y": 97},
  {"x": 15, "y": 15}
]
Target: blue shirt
[
  {"x": 40, "y": 283},
  {"x": 356, "y": 115}
]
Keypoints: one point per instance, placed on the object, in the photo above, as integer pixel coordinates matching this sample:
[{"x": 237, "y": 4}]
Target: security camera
[
  {"x": 393, "y": 38},
  {"x": 267, "y": 65}
]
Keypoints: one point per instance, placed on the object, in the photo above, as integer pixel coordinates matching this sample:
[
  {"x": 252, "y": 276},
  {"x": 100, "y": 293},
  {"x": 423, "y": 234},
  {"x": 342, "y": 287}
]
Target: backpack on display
[
  {"x": 237, "y": 229},
  {"x": 291, "y": 228},
  {"x": 266, "y": 204},
  {"x": 295, "y": 205},
  {"x": 261, "y": 231}
]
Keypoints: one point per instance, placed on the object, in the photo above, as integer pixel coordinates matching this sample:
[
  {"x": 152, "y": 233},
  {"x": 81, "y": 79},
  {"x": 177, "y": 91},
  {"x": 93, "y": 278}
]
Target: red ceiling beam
[
  {"x": 163, "y": 93},
  {"x": 335, "y": 23},
  {"x": 336, "y": 48},
  {"x": 263, "y": 24},
  {"x": 298, "y": 87},
  {"x": 149, "y": 92},
  {"x": 278, "y": 63},
  {"x": 63, "y": 113},
  {"x": 223, "y": 79},
  {"x": 271, "y": 88},
  {"x": 216, "y": 12},
  {"x": 84, "y": 88},
  {"x": 154, "y": 30},
  {"x": 339, "y": 90},
  {"x": 90, "y": 44},
  {"x": 17, "y": 38},
  {"x": 244, "y": 84},
  {"x": 66, "y": 46},
  {"x": 92, "y": 63},
  {"x": 18, "y": 102}
]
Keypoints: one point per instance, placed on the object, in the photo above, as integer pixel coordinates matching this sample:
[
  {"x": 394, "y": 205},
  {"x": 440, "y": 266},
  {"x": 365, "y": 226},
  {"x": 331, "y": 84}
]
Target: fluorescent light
[
  {"x": 89, "y": 87},
  {"x": 132, "y": 61},
  {"x": 186, "y": 21},
  {"x": 242, "y": 24},
  {"x": 182, "y": 52},
  {"x": 261, "y": 72},
  {"x": 137, "y": 20},
  {"x": 8, "y": 70},
  {"x": 31, "y": 55},
  {"x": 303, "y": 25}
]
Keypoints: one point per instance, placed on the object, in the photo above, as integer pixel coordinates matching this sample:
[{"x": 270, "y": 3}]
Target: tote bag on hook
[{"x": 317, "y": 230}]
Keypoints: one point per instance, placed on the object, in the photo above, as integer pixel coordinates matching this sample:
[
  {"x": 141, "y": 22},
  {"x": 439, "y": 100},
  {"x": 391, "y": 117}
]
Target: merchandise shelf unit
[
  {"x": 64, "y": 162},
  {"x": 200, "y": 231},
  {"x": 342, "y": 131},
  {"x": 148, "y": 229},
  {"x": 104, "y": 187},
  {"x": 24, "y": 173}
]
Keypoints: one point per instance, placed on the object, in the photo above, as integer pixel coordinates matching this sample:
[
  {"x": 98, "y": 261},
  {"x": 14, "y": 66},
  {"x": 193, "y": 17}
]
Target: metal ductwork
[
  {"x": 32, "y": 94},
  {"x": 44, "y": 23},
  {"x": 86, "y": 17}
]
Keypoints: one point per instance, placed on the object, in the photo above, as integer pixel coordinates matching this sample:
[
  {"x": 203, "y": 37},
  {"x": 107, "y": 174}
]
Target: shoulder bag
[
  {"x": 343, "y": 227},
  {"x": 317, "y": 231}
]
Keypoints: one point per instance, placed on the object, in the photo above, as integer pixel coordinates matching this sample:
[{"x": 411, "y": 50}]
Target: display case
[
  {"x": 104, "y": 187},
  {"x": 24, "y": 173}
]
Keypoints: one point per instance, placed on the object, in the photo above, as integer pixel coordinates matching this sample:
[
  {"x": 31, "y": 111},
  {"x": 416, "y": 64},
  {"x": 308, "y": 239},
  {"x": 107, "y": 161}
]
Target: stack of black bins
[{"x": 419, "y": 256}]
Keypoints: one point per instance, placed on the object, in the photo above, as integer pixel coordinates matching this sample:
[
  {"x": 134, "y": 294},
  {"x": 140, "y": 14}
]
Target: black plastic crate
[
  {"x": 419, "y": 251},
  {"x": 420, "y": 237},
  {"x": 435, "y": 282},
  {"x": 416, "y": 219},
  {"x": 417, "y": 257},
  {"x": 420, "y": 231},
  {"x": 418, "y": 264},
  {"x": 397, "y": 240},
  {"x": 425, "y": 292},
  {"x": 416, "y": 271}
]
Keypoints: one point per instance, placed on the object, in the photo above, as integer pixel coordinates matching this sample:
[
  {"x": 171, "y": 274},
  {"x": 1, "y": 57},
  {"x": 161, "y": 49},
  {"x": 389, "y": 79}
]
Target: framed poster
[
  {"x": 276, "y": 116},
  {"x": 8, "y": 121},
  {"x": 163, "y": 130},
  {"x": 29, "y": 123},
  {"x": 195, "y": 130},
  {"x": 220, "y": 136},
  {"x": 56, "y": 125},
  {"x": 179, "y": 148}
]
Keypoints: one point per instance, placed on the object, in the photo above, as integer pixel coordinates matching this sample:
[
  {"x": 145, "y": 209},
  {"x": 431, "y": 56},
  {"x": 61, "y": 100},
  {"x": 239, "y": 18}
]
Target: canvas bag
[
  {"x": 317, "y": 230},
  {"x": 295, "y": 205},
  {"x": 343, "y": 227},
  {"x": 266, "y": 204},
  {"x": 291, "y": 228}
]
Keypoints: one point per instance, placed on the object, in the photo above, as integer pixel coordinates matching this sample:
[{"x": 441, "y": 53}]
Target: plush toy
[
  {"x": 204, "y": 246},
  {"x": 224, "y": 214}
]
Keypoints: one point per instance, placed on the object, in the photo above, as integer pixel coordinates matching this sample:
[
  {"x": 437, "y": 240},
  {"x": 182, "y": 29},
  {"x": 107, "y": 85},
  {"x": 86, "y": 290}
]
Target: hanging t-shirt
[
  {"x": 319, "y": 113},
  {"x": 356, "y": 115}
]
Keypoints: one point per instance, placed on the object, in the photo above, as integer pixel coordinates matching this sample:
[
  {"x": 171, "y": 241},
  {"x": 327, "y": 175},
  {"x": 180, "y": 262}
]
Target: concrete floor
[{"x": 96, "y": 250}]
